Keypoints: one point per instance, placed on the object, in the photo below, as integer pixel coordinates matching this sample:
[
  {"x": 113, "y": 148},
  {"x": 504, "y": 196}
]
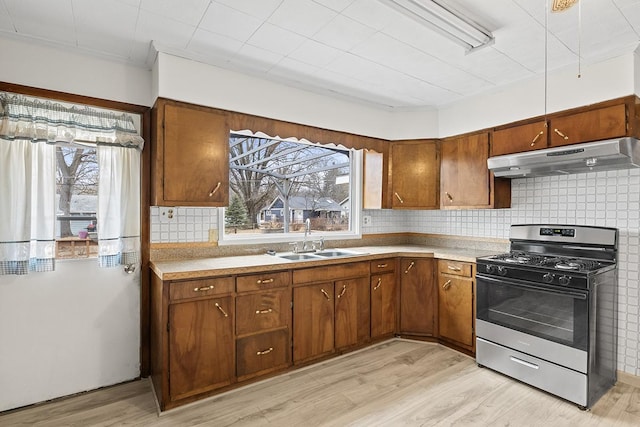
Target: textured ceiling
[{"x": 359, "y": 49}]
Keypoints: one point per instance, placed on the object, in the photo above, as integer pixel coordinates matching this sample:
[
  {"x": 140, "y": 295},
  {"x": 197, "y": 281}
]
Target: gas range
[{"x": 546, "y": 311}]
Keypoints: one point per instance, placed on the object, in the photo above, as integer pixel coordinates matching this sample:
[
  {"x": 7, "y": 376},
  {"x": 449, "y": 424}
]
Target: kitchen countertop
[{"x": 243, "y": 264}]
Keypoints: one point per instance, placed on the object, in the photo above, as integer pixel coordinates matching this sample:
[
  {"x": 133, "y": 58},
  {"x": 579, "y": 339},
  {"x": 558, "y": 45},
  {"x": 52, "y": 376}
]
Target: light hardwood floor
[{"x": 396, "y": 383}]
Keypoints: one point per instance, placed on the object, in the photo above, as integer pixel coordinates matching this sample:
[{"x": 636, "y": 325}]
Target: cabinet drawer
[
  {"x": 263, "y": 281},
  {"x": 201, "y": 288},
  {"x": 382, "y": 265},
  {"x": 456, "y": 268},
  {"x": 262, "y": 352},
  {"x": 330, "y": 273},
  {"x": 265, "y": 310}
]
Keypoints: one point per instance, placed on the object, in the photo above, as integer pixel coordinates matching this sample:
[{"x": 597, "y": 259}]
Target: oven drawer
[{"x": 555, "y": 379}]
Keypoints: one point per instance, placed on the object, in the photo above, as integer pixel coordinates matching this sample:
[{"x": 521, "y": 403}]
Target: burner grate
[{"x": 549, "y": 261}]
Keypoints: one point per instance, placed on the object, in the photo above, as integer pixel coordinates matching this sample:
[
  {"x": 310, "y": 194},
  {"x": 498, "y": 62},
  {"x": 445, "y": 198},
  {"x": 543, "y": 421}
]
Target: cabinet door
[
  {"x": 195, "y": 157},
  {"x": 352, "y": 312},
  {"x": 455, "y": 305},
  {"x": 415, "y": 174},
  {"x": 594, "y": 125},
  {"x": 418, "y": 298},
  {"x": 517, "y": 139},
  {"x": 383, "y": 304},
  {"x": 464, "y": 176},
  {"x": 313, "y": 314},
  {"x": 201, "y": 346}
]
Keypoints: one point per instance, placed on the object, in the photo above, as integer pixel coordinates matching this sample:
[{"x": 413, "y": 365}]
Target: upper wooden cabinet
[
  {"x": 518, "y": 139},
  {"x": 610, "y": 119},
  {"x": 465, "y": 180},
  {"x": 593, "y": 125},
  {"x": 415, "y": 173},
  {"x": 190, "y": 156}
]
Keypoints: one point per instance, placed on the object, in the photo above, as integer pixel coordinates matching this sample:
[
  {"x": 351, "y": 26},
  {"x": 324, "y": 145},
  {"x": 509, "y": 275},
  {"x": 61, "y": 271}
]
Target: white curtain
[
  {"x": 27, "y": 221},
  {"x": 118, "y": 206},
  {"x": 30, "y": 129}
]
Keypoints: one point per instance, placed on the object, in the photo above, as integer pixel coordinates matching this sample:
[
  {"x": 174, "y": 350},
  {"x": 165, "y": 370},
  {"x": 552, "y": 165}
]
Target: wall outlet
[
  {"x": 366, "y": 220},
  {"x": 167, "y": 214}
]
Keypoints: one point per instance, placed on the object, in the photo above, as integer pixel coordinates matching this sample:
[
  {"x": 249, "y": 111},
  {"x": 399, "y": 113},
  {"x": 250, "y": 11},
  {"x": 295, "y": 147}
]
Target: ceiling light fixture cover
[{"x": 445, "y": 21}]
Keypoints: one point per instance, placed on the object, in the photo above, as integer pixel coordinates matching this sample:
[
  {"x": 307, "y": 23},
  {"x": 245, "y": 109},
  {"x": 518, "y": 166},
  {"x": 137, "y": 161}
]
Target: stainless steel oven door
[{"x": 547, "y": 314}]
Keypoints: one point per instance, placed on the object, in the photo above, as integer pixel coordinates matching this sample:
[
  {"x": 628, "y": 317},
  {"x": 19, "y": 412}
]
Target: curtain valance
[{"x": 23, "y": 118}]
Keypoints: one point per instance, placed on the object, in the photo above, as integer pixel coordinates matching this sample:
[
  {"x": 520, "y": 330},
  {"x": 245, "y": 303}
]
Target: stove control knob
[
  {"x": 548, "y": 278},
  {"x": 564, "y": 280},
  {"x": 502, "y": 271},
  {"x": 490, "y": 268}
]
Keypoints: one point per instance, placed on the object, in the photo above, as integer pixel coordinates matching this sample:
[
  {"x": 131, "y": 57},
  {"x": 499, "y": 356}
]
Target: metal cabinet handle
[
  {"x": 410, "y": 267},
  {"x": 222, "y": 310},
  {"x": 561, "y": 134},
  {"x": 446, "y": 285},
  {"x": 449, "y": 196},
  {"x": 344, "y": 289},
  {"x": 375, "y": 288},
  {"x": 265, "y": 311},
  {"x": 326, "y": 295},
  {"x": 398, "y": 196},
  {"x": 382, "y": 265},
  {"x": 260, "y": 281},
  {"x": 536, "y": 138},
  {"x": 203, "y": 288},
  {"x": 216, "y": 188},
  {"x": 454, "y": 268},
  {"x": 263, "y": 352}
]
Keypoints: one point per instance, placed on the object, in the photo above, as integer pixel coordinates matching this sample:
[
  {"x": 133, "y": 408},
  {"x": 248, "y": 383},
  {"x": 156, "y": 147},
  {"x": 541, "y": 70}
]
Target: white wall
[
  {"x": 51, "y": 68},
  {"x": 67, "y": 331},
  {"x": 599, "y": 82},
  {"x": 190, "y": 81}
]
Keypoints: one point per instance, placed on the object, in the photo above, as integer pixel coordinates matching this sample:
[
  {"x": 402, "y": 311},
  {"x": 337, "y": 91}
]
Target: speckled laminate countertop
[{"x": 244, "y": 264}]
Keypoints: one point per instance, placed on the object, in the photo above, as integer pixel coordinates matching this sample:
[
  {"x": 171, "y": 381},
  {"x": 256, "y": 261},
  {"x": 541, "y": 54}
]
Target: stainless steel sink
[
  {"x": 298, "y": 257},
  {"x": 330, "y": 253},
  {"x": 334, "y": 253}
]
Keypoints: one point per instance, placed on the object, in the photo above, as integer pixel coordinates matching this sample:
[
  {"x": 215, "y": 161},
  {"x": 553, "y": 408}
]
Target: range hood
[{"x": 622, "y": 153}]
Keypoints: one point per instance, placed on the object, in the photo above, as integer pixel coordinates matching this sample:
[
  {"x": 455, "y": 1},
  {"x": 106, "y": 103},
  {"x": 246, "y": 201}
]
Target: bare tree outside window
[{"x": 77, "y": 175}]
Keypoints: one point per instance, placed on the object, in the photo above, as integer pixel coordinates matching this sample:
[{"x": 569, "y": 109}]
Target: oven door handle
[{"x": 538, "y": 288}]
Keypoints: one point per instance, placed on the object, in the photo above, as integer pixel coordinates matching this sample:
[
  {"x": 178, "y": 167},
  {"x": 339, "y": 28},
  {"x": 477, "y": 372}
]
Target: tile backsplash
[{"x": 610, "y": 199}]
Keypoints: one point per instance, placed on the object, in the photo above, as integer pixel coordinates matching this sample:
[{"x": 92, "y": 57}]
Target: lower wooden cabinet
[
  {"x": 201, "y": 346},
  {"x": 352, "y": 312},
  {"x": 383, "y": 305},
  {"x": 418, "y": 298},
  {"x": 456, "y": 303},
  {"x": 211, "y": 333},
  {"x": 313, "y": 321}
]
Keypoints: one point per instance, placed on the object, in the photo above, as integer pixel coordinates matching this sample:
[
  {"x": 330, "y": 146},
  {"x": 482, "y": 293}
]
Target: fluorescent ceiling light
[{"x": 452, "y": 25}]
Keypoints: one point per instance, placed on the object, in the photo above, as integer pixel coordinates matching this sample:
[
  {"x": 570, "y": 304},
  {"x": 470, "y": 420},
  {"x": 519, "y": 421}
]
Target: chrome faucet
[{"x": 307, "y": 231}]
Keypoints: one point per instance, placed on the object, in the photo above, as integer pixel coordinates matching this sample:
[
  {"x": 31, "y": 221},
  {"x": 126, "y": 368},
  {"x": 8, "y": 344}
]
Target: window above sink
[{"x": 278, "y": 185}]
